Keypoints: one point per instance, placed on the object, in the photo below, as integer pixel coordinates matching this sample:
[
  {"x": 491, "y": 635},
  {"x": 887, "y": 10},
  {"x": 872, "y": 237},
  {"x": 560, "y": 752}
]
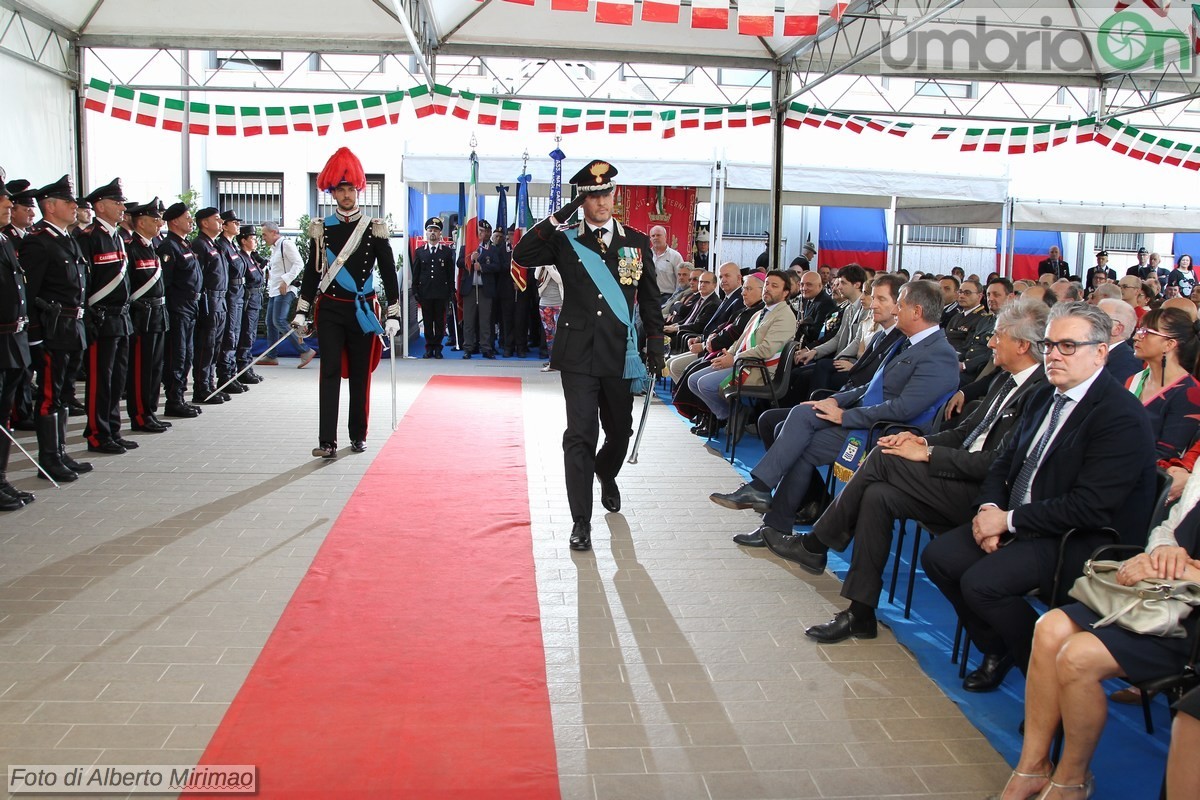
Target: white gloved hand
[
  {"x": 300, "y": 322},
  {"x": 392, "y": 328}
]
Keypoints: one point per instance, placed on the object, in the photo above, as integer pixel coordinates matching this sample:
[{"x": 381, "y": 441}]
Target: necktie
[
  {"x": 875, "y": 340},
  {"x": 1024, "y": 479},
  {"x": 990, "y": 418},
  {"x": 600, "y": 240},
  {"x": 898, "y": 351}
]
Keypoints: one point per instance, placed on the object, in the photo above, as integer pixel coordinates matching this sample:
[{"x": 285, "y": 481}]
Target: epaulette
[
  {"x": 316, "y": 227},
  {"x": 379, "y": 228}
]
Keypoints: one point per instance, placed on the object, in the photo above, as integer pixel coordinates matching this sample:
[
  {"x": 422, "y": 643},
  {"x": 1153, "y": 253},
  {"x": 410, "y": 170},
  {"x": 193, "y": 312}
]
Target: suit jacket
[
  {"x": 1047, "y": 267},
  {"x": 846, "y": 341},
  {"x": 1098, "y": 472},
  {"x": 950, "y": 461},
  {"x": 56, "y": 271},
  {"x": 775, "y": 331},
  {"x": 1112, "y": 276},
  {"x": 724, "y": 336},
  {"x": 1122, "y": 362},
  {"x": 591, "y": 337},
  {"x": 860, "y": 374},
  {"x": 697, "y": 321},
  {"x": 912, "y": 382},
  {"x": 433, "y": 271},
  {"x": 725, "y": 312},
  {"x": 813, "y": 314}
]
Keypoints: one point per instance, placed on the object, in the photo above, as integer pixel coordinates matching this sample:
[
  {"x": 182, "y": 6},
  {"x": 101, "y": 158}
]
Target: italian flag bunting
[
  {"x": 547, "y": 119},
  {"x": 373, "y": 110},
  {"x": 570, "y": 120},
  {"x": 1041, "y": 138},
  {"x": 199, "y": 116},
  {"x": 395, "y": 102},
  {"x": 96, "y": 95},
  {"x": 251, "y": 121},
  {"x": 147, "y": 109},
  {"x": 660, "y": 11},
  {"x": 689, "y": 118},
  {"x": 943, "y": 132},
  {"x": 302, "y": 119},
  {"x": 277, "y": 124},
  {"x": 441, "y": 98},
  {"x": 756, "y": 17},
  {"x": 838, "y": 10},
  {"x": 1176, "y": 154},
  {"x": 568, "y": 5},
  {"x": 122, "y": 106},
  {"x": 594, "y": 119},
  {"x": 669, "y": 125},
  {"x": 422, "y": 102},
  {"x": 900, "y": 129},
  {"x": 643, "y": 120},
  {"x": 714, "y": 118},
  {"x": 760, "y": 113},
  {"x": 794, "y": 117},
  {"x": 711, "y": 14},
  {"x": 971, "y": 139},
  {"x": 1191, "y": 159},
  {"x": 618, "y": 120},
  {"x": 1061, "y": 133},
  {"x": 836, "y": 120},
  {"x": 1194, "y": 29},
  {"x": 172, "y": 118},
  {"x": 350, "y": 114},
  {"x": 510, "y": 115},
  {"x": 1087, "y": 130},
  {"x": 1109, "y": 132},
  {"x": 323, "y": 114},
  {"x": 815, "y": 117},
  {"x": 614, "y": 12},
  {"x": 463, "y": 105},
  {"x": 1125, "y": 140},
  {"x": 874, "y": 124},
  {"x": 993, "y": 142},
  {"x": 489, "y": 110},
  {"x": 1018, "y": 140},
  {"x": 226, "y": 121},
  {"x": 857, "y": 124},
  {"x": 800, "y": 17},
  {"x": 1158, "y": 148}
]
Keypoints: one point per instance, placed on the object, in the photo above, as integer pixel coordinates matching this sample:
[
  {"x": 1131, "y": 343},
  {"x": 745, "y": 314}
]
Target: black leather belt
[
  {"x": 235, "y": 285},
  {"x": 151, "y": 302},
  {"x": 14, "y": 327}
]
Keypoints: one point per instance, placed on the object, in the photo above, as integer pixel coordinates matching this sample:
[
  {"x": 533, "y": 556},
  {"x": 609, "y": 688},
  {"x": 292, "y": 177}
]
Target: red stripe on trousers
[
  {"x": 139, "y": 407},
  {"x": 93, "y": 424},
  {"x": 46, "y": 384}
]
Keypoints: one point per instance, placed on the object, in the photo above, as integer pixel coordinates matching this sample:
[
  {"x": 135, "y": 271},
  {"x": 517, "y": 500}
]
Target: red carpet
[{"x": 409, "y": 662}]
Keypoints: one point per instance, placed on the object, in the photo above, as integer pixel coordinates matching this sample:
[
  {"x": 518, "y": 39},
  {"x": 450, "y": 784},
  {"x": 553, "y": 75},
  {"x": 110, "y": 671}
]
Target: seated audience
[
  {"x": 730, "y": 285},
  {"x": 1136, "y": 292},
  {"x": 702, "y": 311},
  {"x": 851, "y": 279},
  {"x": 1066, "y": 291},
  {"x": 1122, "y": 361},
  {"x": 968, "y": 330},
  {"x": 683, "y": 286},
  {"x": 1167, "y": 342},
  {"x": 1083, "y": 458},
  {"x": 815, "y": 309}
]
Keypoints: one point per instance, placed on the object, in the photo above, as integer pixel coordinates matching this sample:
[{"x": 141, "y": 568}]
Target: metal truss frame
[{"x": 27, "y": 36}]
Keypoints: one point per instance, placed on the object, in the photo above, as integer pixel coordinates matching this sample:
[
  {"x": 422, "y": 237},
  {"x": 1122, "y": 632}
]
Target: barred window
[
  {"x": 1121, "y": 241},
  {"x": 936, "y": 234},
  {"x": 747, "y": 219},
  {"x": 257, "y": 198},
  {"x": 370, "y": 200}
]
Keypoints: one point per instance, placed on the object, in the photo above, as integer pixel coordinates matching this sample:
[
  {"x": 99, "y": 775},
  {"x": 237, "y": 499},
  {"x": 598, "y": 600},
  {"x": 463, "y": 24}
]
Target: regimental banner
[{"x": 643, "y": 207}]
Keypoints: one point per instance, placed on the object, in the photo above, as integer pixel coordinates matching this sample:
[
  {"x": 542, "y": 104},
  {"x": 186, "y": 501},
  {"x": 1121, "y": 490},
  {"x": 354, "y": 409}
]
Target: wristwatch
[{"x": 929, "y": 452}]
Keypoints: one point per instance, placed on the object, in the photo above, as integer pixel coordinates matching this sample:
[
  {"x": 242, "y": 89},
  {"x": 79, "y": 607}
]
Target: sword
[
  {"x": 392, "y": 359},
  {"x": 31, "y": 458},
  {"x": 243, "y": 370},
  {"x": 633, "y": 459}
]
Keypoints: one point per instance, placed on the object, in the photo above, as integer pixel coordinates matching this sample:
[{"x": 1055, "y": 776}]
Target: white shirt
[
  {"x": 666, "y": 268},
  {"x": 285, "y": 265},
  {"x": 1019, "y": 379}
]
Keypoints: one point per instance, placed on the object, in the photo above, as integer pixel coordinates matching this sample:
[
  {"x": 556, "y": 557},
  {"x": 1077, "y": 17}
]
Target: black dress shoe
[
  {"x": 358, "y": 445},
  {"x": 78, "y": 467},
  {"x": 466, "y": 355},
  {"x": 810, "y": 512},
  {"x": 428, "y": 354},
  {"x": 790, "y": 547},
  {"x": 111, "y": 448},
  {"x": 325, "y": 450},
  {"x": 181, "y": 410},
  {"x": 990, "y": 674},
  {"x": 9, "y": 502},
  {"x": 610, "y": 495},
  {"x": 24, "y": 497},
  {"x": 437, "y": 353},
  {"x": 236, "y": 387},
  {"x": 150, "y": 427},
  {"x": 752, "y": 539},
  {"x": 154, "y": 418},
  {"x": 128, "y": 444},
  {"x": 745, "y": 496},
  {"x": 508, "y": 353},
  {"x": 581, "y": 536},
  {"x": 215, "y": 400},
  {"x": 845, "y": 624},
  {"x": 489, "y": 355},
  {"x": 225, "y": 396},
  {"x": 76, "y": 409}
]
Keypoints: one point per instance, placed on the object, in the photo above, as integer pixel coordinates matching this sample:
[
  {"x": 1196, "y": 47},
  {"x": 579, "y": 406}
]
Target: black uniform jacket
[
  {"x": 148, "y": 312},
  {"x": 182, "y": 279},
  {"x": 374, "y": 249},
  {"x": 433, "y": 271},
  {"x": 107, "y": 259},
  {"x": 56, "y": 275},
  {"x": 14, "y": 311}
]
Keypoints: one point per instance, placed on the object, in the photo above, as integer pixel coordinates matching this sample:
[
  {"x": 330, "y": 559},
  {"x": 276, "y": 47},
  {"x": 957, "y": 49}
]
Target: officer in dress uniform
[
  {"x": 342, "y": 300},
  {"x": 235, "y": 301},
  {"x": 56, "y": 271},
  {"x": 126, "y": 223},
  {"x": 183, "y": 286},
  {"x": 23, "y": 211},
  {"x": 591, "y": 346},
  {"x": 106, "y": 361},
  {"x": 14, "y": 346},
  {"x": 433, "y": 280},
  {"x": 148, "y": 314},
  {"x": 255, "y": 280},
  {"x": 211, "y": 319}
]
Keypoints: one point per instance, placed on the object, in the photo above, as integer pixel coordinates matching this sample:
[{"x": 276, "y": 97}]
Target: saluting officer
[
  {"x": 606, "y": 268},
  {"x": 148, "y": 313},
  {"x": 183, "y": 287},
  {"x": 433, "y": 281},
  {"x": 56, "y": 270},
  {"x": 340, "y": 292},
  {"x": 14, "y": 346},
  {"x": 107, "y": 321},
  {"x": 211, "y": 319},
  {"x": 252, "y": 306},
  {"x": 235, "y": 302}
]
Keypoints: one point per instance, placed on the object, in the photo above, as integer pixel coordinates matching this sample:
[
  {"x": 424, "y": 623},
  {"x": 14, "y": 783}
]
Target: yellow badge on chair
[{"x": 629, "y": 265}]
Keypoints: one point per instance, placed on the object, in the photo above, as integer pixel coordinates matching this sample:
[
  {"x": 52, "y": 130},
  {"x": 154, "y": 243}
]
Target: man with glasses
[
  {"x": 1136, "y": 293},
  {"x": 969, "y": 326},
  {"x": 702, "y": 312},
  {"x": 1082, "y": 457}
]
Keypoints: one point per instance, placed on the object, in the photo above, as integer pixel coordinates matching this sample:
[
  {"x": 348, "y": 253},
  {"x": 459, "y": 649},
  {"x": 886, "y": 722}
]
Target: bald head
[
  {"x": 1123, "y": 317},
  {"x": 1183, "y": 304}
]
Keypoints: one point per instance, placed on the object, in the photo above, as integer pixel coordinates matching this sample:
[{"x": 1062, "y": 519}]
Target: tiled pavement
[{"x": 133, "y": 603}]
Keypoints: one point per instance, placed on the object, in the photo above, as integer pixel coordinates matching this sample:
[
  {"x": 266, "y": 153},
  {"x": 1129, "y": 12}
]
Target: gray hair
[
  {"x": 1023, "y": 320},
  {"x": 926, "y": 296},
  {"x": 270, "y": 226},
  {"x": 1074, "y": 290},
  {"x": 1119, "y": 311},
  {"x": 1098, "y": 321},
  {"x": 1109, "y": 291}
]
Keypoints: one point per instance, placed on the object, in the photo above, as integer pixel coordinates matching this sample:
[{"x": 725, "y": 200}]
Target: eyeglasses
[
  {"x": 1141, "y": 332},
  {"x": 707, "y": 280},
  {"x": 967, "y": 291},
  {"x": 1066, "y": 347}
]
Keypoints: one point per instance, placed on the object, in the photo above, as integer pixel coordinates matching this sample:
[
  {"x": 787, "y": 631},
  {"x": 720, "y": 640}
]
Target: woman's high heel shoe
[
  {"x": 1082, "y": 791},
  {"x": 1016, "y": 774}
]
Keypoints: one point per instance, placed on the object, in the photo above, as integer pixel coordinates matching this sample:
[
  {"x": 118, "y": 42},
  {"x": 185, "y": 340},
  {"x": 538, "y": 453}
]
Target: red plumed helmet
[{"x": 342, "y": 167}]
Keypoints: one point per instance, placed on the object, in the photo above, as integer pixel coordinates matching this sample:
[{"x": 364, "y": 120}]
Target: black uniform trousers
[
  {"x": 516, "y": 320},
  {"x": 594, "y": 403},
  {"x": 340, "y": 337},
  {"x": 433, "y": 317},
  {"x": 10, "y": 381},
  {"x": 146, "y": 363},
  {"x": 887, "y": 488},
  {"x": 53, "y": 368},
  {"x": 251, "y": 308},
  {"x": 23, "y": 407},
  {"x": 106, "y": 362},
  {"x": 210, "y": 330},
  {"x": 180, "y": 351},
  {"x": 235, "y": 302}
]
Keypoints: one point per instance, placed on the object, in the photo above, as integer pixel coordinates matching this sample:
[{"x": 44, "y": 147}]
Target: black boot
[
  {"x": 68, "y": 462},
  {"x": 9, "y": 499},
  {"x": 48, "y": 451}
]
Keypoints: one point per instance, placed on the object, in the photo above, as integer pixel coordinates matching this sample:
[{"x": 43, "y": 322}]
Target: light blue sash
[
  {"x": 367, "y": 321},
  {"x": 635, "y": 370}
]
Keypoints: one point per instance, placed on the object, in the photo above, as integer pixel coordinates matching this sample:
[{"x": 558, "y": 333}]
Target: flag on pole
[
  {"x": 323, "y": 113},
  {"x": 373, "y": 110},
  {"x": 557, "y": 156},
  {"x": 468, "y": 214},
  {"x": 122, "y": 106},
  {"x": 614, "y": 12},
  {"x": 172, "y": 118},
  {"x": 800, "y": 17},
  {"x": 971, "y": 139},
  {"x": 302, "y": 119},
  {"x": 277, "y": 124},
  {"x": 251, "y": 121},
  {"x": 199, "y": 116},
  {"x": 147, "y": 109},
  {"x": 463, "y": 105},
  {"x": 594, "y": 119},
  {"x": 514, "y": 271},
  {"x": 395, "y": 102},
  {"x": 660, "y": 11},
  {"x": 524, "y": 217},
  {"x": 570, "y": 120},
  {"x": 756, "y": 17},
  {"x": 712, "y": 14},
  {"x": 489, "y": 110},
  {"x": 96, "y": 95},
  {"x": 226, "y": 121},
  {"x": 669, "y": 125}
]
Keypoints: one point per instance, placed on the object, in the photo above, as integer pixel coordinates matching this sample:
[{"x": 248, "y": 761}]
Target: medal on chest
[{"x": 629, "y": 265}]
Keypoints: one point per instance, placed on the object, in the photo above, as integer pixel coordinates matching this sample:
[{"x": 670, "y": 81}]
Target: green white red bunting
[
  {"x": 173, "y": 114},
  {"x": 251, "y": 121},
  {"x": 226, "y": 120},
  {"x": 147, "y": 109},
  {"x": 96, "y": 95}
]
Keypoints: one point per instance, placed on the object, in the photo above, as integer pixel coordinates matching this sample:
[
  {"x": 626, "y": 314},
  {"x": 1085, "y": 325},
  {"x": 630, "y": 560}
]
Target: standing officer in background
[
  {"x": 433, "y": 281},
  {"x": 24, "y": 209},
  {"x": 339, "y": 290},
  {"x": 56, "y": 271},
  {"x": 211, "y": 318},
  {"x": 478, "y": 276},
  {"x": 252, "y": 304},
  {"x": 107, "y": 321},
  {"x": 148, "y": 315},
  {"x": 183, "y": 287},
  {"x": 606, "y": 268},
  {"x": 235, "y": 302},
  {"x": 14, "y": 346}
]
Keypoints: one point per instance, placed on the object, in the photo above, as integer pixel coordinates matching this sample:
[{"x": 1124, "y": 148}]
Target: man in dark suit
[
  {"x": 433, "y": 283},
  {"x": 933, "y": 479},
  {"x": 919, "y": 373},
  {"x": 478, "y": 275},
  {"x": 815, "y": 308},
  {"x": 1081, "y": 457},
  {"x": 1054, "y": 265},
  {"x": 1100, "y": 274},
  {"x": 697, "y": 320},
  {"x": 605, "y": 267},
  {"x": 1122, "y": 361}
]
